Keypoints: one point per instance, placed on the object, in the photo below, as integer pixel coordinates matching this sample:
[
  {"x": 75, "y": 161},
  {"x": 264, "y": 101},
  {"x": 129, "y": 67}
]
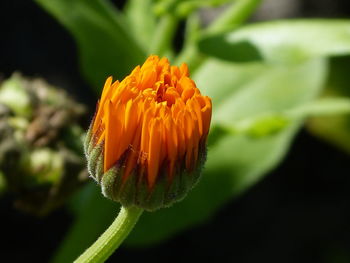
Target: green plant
[{"x": 265, "y": 79}]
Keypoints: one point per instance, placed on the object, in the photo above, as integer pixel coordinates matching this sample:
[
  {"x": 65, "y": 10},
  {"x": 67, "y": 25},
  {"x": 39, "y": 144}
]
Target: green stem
[
  {"x": 189, "y": 52},
  {"x": 235, "y": 15},
  {"x": 111, "y": 239},
  {"x": 164, "y": 35}
]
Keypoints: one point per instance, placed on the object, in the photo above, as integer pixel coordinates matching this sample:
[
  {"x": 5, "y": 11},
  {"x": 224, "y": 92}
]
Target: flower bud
[
  {"x": 146, "y": 145},
  {"x": 40, "y": 144}
]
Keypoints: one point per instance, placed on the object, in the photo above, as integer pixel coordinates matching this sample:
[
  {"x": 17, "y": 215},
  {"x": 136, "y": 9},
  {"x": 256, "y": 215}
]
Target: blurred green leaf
[
  {"x": 141, "y": 19},
  {"x": 281, "y": 41},
  {"x": 185, "y": 8},
  {"x": 219, "y": 79},
  {"x": 335, "y": 129},
  {"x": 323, "y": 107},
  {"x": 275, "y": 89},
  {"x": 105, "y": 45},
  {"x": 267, "y": 124}
]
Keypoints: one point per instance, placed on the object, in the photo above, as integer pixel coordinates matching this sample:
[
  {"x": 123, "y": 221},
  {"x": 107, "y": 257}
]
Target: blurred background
[{"x": 298, "y": 213}]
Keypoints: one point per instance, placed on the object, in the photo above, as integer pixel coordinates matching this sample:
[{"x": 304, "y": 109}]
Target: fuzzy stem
[{"x": 111, "y": 239}]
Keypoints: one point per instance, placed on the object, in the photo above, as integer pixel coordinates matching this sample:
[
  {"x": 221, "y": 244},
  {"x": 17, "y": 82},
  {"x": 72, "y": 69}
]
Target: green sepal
[
  {"x": 93, "y": 159},
  {"x": 134, "y": 190},
  {"x": 99, "y": 168},
  {"x": 110, "y": 183},
  {"x": 155, "y": 198},
  {"x": 88, "y": 145},
  {"x": 127, "y": 191}
]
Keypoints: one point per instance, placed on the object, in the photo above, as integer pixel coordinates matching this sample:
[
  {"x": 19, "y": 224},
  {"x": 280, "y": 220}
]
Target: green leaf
[
  {"x": 323, "y": 107},
  {"x": 281, "y": 41},
  {"x": 275, "y": 90},
  {"x": 141, "y": 19},
  {"x": 270, "y": 123},
  {"x": 218, "y": 79},
  {"x": 335, "y": 129},
  {"x": 104, "y": 43}
]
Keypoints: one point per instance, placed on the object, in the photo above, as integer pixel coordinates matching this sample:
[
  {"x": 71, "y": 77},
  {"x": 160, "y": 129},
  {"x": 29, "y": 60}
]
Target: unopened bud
[{"x": 146, "y": 145}]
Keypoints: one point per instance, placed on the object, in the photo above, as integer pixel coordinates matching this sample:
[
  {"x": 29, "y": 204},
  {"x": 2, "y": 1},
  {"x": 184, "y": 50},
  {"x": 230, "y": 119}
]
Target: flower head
[{"x": 147, "y": 142}]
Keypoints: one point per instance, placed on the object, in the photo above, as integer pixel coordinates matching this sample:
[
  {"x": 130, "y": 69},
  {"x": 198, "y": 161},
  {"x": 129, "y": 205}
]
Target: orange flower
[{"x": 149, "y": 129}]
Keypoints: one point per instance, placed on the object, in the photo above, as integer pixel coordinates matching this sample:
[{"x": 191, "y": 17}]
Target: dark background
[{"x": 298, "y": 213}]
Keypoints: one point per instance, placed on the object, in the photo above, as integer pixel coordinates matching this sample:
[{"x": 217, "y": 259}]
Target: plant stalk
[
  {"x": 164, "y": 35},
  {"x": 238, "y": 13},
  {"x": 111, "y": 239}
]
